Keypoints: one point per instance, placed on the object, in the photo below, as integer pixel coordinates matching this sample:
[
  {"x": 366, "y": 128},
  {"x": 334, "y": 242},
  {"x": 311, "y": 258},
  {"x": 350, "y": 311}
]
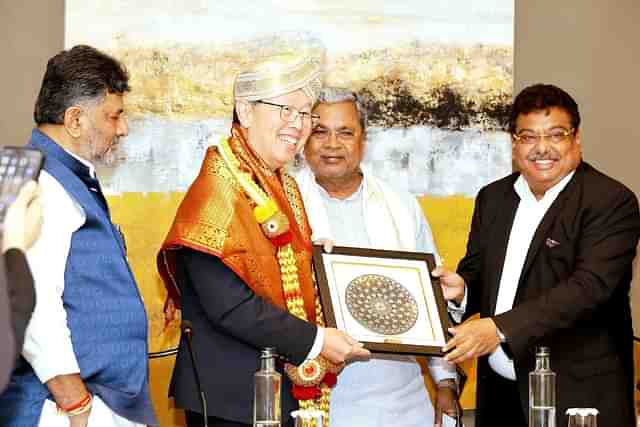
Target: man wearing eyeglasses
[
  {"x": 238, "y": 258},
  {"x": 548, "y": 262}
]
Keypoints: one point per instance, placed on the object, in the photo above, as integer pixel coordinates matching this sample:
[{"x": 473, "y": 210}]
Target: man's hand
[
  {"x": 474, "y": 338},
  {"x": 339, "y": 347},
  {"x": 327, "y": 244},
  {"x": 23, "y": 221},
  {"x": 452, "y": 284},
  {"x": 446, "y": 403},
  {"x": 68, "y": 390},
  {"x": 170, "y": 311}
]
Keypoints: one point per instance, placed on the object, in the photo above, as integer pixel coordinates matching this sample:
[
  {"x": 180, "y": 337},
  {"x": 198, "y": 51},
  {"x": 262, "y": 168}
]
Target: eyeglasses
[
  {"x": 320, "y": 133},
  {"x": 291, "y": 114},
  {"x": 556, "y": 136}
]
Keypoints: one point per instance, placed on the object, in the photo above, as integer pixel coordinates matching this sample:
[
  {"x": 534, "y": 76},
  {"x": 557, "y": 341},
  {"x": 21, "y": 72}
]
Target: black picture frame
[{"x": 333, "y": 277}]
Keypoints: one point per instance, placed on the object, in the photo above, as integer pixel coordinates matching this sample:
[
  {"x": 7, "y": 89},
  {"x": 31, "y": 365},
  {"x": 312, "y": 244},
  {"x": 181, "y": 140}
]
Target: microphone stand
[{"x": 186, "y": 332}]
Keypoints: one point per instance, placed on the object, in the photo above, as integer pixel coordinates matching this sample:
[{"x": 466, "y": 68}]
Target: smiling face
[
  {"x": 544, "y": 163},
  {"x": 275, "y": 140},
  {"x": 336, "y": 148}
]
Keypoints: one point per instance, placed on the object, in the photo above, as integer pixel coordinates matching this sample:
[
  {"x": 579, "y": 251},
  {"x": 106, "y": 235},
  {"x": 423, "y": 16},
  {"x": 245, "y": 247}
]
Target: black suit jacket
[
  {"x": 572, "y": 294},
  {"x": 231, "y": 324},
  {"x": 17, "y": 300}
]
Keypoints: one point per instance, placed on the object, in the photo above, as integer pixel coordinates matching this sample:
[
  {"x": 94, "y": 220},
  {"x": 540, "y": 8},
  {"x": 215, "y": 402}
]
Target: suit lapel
[
  {"x": 499, "y": 241},
  {"x": 547, "y": 223}
]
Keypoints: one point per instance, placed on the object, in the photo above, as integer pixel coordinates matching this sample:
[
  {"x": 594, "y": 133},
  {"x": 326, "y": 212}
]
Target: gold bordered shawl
[{"x": 216, "y": 217}]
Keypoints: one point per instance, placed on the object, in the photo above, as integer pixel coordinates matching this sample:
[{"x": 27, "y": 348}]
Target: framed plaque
[{"x": 387, "y": 300}]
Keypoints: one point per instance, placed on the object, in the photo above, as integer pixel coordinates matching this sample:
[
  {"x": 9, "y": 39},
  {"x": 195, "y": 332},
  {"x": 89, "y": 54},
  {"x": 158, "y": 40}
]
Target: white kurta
[{"x": 387, "y": 390}]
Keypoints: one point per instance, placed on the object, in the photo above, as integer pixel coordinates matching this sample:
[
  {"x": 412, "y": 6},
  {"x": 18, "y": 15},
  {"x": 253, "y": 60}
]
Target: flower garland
[{"x": 313, "y": 379}]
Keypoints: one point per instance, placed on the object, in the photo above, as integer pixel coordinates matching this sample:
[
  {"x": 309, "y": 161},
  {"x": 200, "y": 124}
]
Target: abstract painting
[{"x": 436, "y": 77}]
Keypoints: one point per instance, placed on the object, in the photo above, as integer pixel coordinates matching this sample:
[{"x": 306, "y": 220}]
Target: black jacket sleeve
[
  {"x": 22, "y": 297},
  {"x": 469, "y": 267},
  {"x": 232, "y": 307},
  {"x": 604, "y": 254},
  {"x": 7, "y": 351}
]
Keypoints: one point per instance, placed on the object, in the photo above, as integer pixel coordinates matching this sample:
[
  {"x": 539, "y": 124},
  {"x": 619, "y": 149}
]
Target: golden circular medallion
[
  {"x": 309, "y": 373},
  {"x": 381, "y": 304}
]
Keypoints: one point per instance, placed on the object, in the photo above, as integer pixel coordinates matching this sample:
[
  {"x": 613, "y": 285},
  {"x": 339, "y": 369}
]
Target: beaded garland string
[{"x": 313, "y": 379}]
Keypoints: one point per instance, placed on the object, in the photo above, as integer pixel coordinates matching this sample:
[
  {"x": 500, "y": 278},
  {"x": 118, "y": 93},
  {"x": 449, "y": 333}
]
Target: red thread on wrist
[{"x": 77, "y": 405}]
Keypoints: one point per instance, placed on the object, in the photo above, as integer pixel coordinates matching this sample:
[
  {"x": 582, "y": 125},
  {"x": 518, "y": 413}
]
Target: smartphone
[{"x": 18, "y": 165}]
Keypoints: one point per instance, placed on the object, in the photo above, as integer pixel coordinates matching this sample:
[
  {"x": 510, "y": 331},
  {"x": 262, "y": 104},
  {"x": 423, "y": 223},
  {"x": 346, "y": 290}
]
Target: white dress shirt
[
  {"x": 47, "y": 345},
  {"x": 528, "y": 216}
]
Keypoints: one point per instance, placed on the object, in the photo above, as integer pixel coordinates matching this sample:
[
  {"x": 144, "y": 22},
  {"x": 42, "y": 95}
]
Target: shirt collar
[
  {"x": 92, "y": 169},
  {"x": 524, "y": 191},
  {"x": 78, "y": 166}
]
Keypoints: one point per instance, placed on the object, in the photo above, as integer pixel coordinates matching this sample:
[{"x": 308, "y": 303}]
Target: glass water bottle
[
  {"x": 266, "y": 398},
  {"x": 542, "y": 391}
]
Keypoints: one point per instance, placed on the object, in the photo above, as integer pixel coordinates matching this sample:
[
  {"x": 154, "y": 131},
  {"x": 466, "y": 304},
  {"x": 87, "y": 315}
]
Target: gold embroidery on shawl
[{"x": 295, "y": 201}]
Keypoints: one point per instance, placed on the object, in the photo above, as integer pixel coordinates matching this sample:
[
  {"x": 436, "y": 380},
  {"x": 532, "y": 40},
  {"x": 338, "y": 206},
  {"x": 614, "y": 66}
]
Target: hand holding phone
[
  {"x": 20, "y": 210},
  {"x": 18, "y": 165},
  {"x": 23, "y": 220}
]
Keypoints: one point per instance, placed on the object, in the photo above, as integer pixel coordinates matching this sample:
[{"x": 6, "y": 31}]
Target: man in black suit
[
  {"x": 238, "y": 257},
  {"x": 548, "y": 263},
  {"x": 17, "y": 295}
]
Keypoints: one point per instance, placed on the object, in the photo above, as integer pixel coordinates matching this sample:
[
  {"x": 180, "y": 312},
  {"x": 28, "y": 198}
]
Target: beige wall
[
  {"x": 31, "y": 32},
  {"x": 589, "y": 47}
]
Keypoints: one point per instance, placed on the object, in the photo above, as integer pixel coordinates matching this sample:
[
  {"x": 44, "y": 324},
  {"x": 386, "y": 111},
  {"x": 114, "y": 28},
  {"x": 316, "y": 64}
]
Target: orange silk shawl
[{"x": 216, "y": 217}]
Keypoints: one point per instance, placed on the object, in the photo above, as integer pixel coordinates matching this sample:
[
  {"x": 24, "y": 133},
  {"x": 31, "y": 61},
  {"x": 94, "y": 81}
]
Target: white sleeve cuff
[
  {"x": 317, "y": 344},
  {"x": 457, "y": 311},
  {"x": 440, "y": 369}
]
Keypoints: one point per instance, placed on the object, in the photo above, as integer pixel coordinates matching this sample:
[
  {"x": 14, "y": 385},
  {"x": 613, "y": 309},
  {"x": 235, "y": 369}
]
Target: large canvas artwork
[{"x": 437, "y": 77}]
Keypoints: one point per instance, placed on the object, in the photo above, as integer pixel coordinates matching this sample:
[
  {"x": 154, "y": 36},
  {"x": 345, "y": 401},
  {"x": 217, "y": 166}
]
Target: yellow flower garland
[{"x": 265, "y": 210}]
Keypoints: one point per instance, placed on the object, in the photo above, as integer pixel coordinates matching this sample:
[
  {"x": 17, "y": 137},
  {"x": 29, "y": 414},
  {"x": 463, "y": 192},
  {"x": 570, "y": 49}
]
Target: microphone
[{"x": 187, "y": 330}]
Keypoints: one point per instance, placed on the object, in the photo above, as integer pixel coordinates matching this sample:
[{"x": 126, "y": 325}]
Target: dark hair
[
  {"x": 542, "y": 97},
  {"x": 80, "y": 74}
]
